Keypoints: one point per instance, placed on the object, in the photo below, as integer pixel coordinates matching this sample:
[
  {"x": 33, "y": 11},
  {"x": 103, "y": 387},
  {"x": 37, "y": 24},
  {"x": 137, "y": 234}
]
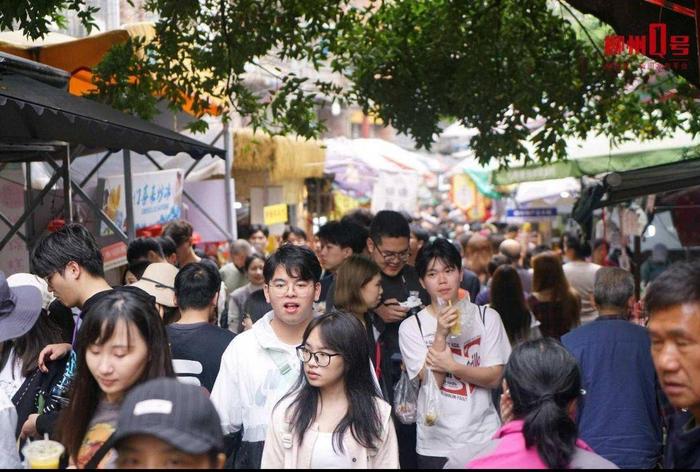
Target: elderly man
[
  {"x": 233, "y": 274},
  {"x": 512, "y": 249},
  {"x": 618, "y": 417}
]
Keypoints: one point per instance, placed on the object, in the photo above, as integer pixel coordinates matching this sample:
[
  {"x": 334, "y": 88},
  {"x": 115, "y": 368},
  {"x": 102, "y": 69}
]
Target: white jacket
[
  {"x": 250, "y": 382},
  {"x": 9, "y": 459}
]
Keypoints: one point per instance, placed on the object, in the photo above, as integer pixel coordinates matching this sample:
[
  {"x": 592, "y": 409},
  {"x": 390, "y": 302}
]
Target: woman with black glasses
[{"x": 333, "y": 416}]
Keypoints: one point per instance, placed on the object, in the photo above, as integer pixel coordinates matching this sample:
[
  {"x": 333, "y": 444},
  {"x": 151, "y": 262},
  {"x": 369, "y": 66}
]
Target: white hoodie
[{"x": 250, "y": 382}]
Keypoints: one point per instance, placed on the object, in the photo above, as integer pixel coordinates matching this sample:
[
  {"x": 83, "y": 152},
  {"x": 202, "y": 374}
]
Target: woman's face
[
  {"x": 119, "y": 362},
  {"x": 316, "y": 375},
  {"x": 255, "y": 272},
  {"x": 372, "y": 292}
]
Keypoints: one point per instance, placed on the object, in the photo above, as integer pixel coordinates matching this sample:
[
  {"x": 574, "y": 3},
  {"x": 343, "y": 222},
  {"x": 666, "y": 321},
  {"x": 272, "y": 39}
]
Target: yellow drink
[
  {"x": 455, "y": 329},
  {"x": 43, "y": 454}
]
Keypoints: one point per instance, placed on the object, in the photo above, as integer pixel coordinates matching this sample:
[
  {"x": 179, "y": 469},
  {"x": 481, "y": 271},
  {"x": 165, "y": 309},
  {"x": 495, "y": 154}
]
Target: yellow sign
[
  {"x": 343, "y": 204},
  {"x": 275, "y": 214}
]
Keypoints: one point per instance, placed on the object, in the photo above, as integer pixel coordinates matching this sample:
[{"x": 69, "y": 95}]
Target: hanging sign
[
  {"x": 275, "y": 214},
  {"x": 531, "y": 212}
]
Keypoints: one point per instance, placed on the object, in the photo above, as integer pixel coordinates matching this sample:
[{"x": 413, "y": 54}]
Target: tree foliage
[{"x": 516, "y": 70}]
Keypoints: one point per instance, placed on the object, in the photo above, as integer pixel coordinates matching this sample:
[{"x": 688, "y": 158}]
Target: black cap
[{"x": 177, "y": 413}]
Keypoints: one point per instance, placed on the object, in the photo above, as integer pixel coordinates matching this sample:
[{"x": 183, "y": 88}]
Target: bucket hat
[
  {"x": 158, "y": 280},
  {"x": 20, "y": 307}
]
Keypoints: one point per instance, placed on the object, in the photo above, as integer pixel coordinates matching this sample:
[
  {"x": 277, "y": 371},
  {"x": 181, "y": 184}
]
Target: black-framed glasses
[
  {"x": 322, "y": 358},
  {"x": 397, "y": 256}
]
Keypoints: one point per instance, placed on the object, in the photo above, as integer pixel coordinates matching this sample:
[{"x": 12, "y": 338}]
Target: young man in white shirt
[
  {"x": 465, "y": 366},
  {"x": 260, "y": 365}
]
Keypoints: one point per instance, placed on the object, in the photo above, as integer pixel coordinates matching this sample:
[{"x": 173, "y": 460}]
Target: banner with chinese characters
[
  {"x": 157, "y": 198},
  {"x": 396, "y": 192}
]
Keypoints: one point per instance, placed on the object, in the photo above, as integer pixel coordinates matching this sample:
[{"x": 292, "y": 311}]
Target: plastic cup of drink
[
  {"x": 456, "y": 329},
  {"x": 43, "y": 454}
]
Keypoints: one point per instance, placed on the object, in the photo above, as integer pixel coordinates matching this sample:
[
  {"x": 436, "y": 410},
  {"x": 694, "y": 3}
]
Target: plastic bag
[
  {"x": 405, "y": 399},
  {"x": 430, "y": 400}
]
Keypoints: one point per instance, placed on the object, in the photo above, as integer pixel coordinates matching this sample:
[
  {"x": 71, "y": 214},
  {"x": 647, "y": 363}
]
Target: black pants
[
  {"x": 406, "y": 437},
  {"x": 431, "y": 462}
]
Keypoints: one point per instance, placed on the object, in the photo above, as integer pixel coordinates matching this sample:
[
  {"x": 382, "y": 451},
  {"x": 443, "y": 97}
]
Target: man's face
[
  {"x": 144, "y": 451},
  {"x": 65, "y": 286},
  {"x": 238, "y": 258},
  {"x": 675, "y": 348},
  {"x": 390, "y": 254},
  {"x": 258, "y": 240},
  {"x": 183, "y": 252},
  {"x": 332, "y": 255},
  {"x": 291, "y": 298}
]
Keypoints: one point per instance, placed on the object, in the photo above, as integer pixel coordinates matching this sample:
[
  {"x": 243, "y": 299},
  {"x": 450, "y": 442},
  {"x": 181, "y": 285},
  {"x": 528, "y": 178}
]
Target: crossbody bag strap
[
  {"x": 100, "y": 453},
  {"x": 280, "y": 360}
]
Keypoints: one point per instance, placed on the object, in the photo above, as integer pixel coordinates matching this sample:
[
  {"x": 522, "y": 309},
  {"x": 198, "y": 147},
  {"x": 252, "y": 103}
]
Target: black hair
[
  {"x": 421, "y": 234},
  {"x": 543, "y": 378},
  {"x": 196, "y": 284},
  {"x": 295, "y": 230},
  {"x": 299, "y": 261},
  {"x": 138, "y": 268},
  {"x": 140, "y": 247},
  {"x": 540, "y": 248},
  {"x": 601, "y": 242},
  {"x": 255, "y": 228},
  {"x": 344, "y": 235},
  {"x": 360, "y": 216},
  {"x": 249, "y": 260},
  {"x": 390, "y": 224},
  {"x": 167, "y": 245},
  {"x": 179, "y": 230},
  {"x": 508, "y": 300},
  {"x": 28, "y": 346},
  {"x": 677, "y": 285},
  {"x": 496, "y": 261},
  {"x": 119, "y": 305},
  {"x": 573, "y": 242},
  {"x": 512, "y": 229},
  {"x": 73, "y": 242},
  {"x": 439, "y": 248},
  {"x": 344, "y": 334}
]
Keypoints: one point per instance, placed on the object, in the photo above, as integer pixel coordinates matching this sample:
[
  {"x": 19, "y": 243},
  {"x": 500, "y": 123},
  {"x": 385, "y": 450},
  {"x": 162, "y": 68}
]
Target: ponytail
[
  {"x": 549, "y": 428},
  {"x": 543, "y": 379}
]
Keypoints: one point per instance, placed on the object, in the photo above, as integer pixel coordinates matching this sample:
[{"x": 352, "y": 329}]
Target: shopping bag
[
  {"x": 405, "y": 399},
  {"x": 430, "y": 400}
]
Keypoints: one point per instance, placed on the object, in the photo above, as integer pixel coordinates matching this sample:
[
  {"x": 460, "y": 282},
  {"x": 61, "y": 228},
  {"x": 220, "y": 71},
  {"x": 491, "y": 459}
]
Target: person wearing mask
[
  {"x": 388, "y": 246},
  {"x": 465, "y": 366},
  {"x": 237, "y": 317},
  {"x": 333, "y": 415},
  {"x": 122, "y": 343},
  {"x": 338, "y": 242},
  {"x": 618, "y": 417},
  {"x": 358, "y": 291},
  {"x": 257, "y": 237},
  {"x": 672, "y": 301},
  {"x": 555, "y": 305},
  {"x": 166, "y": 424},
  {"x": 508, "y": 300},
  {"x": 245, "y": 390},
  {"x": 655, "y": 264},
  {"x": 196, "y": 344},
  {"x": 580, "y": 274},
  {"x": 234, "y": 274},
  {"x": 542, "y": 385}
]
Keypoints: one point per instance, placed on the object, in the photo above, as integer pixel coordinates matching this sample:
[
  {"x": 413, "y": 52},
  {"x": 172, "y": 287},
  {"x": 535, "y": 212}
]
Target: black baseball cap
[{"x": 177, "y": 413}]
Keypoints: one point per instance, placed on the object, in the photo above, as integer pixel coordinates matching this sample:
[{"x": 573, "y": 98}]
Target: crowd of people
[{"x": 380, "y": 341}]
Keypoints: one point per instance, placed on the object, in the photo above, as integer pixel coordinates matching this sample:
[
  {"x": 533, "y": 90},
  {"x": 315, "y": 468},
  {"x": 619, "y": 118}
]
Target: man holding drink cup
[{"x": 465, "y": 346}]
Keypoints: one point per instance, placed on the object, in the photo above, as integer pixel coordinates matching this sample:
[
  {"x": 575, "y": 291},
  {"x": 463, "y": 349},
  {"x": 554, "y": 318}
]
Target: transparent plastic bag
[
  {"x": 405, "y": 399},
  {"x": 430, "y": 401}
]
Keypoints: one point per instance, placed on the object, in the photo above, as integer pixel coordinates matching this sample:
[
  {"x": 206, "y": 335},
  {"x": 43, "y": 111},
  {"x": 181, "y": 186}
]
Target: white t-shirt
[
  {"x": 324, "y": 457},
  {"x": 11, "y": 378},
  {"x": 466, "y": 412},
  {"x": 581, "y": 276}
]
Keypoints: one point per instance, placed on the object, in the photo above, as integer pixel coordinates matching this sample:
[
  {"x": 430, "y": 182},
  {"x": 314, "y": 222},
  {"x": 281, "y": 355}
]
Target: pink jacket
[
  {"x": 507, "y": 451},
  {"x": 282, "y": 450}
]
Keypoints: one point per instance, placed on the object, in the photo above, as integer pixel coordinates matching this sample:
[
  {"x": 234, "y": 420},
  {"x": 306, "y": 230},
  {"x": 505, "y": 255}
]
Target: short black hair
[
  {"x": 440, "y": 248},
  {"x": 255, "y": 228},
  {"x": 359, "y": 216},
  {"x": 344, "y": 234},
  {"x": 295, "y": 230},
  {"x": 574, "y": 243},
  {"x": 249, "y": 260},
  {"x": 72, "y": 242},
  {"x": 179, "y": 230},
  {"x": 167, "y": 245},
  {"x": 512, "y": 228},
  {"x": 138, "y": 249},
  {"x": 299, "y": 261},
  {"x": 138, "y": 267},
  {"x": 196, "y": 284},
  {"x": 390, "y": 224},
  {"x": 677, "y": 285},
  {"x": 420, "y": 233}
]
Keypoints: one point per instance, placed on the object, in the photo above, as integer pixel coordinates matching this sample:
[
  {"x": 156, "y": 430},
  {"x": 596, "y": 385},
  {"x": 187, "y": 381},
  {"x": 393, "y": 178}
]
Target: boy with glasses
[
  {"x": 261, "y": 364},
  {"x": 388, "y": 245}
]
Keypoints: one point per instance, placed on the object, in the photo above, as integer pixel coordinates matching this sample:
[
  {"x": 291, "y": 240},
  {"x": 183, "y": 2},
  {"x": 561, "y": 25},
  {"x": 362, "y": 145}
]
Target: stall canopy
[
  {"x": 34, "y": 111},
  {"x": 597, "y": 156}
]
